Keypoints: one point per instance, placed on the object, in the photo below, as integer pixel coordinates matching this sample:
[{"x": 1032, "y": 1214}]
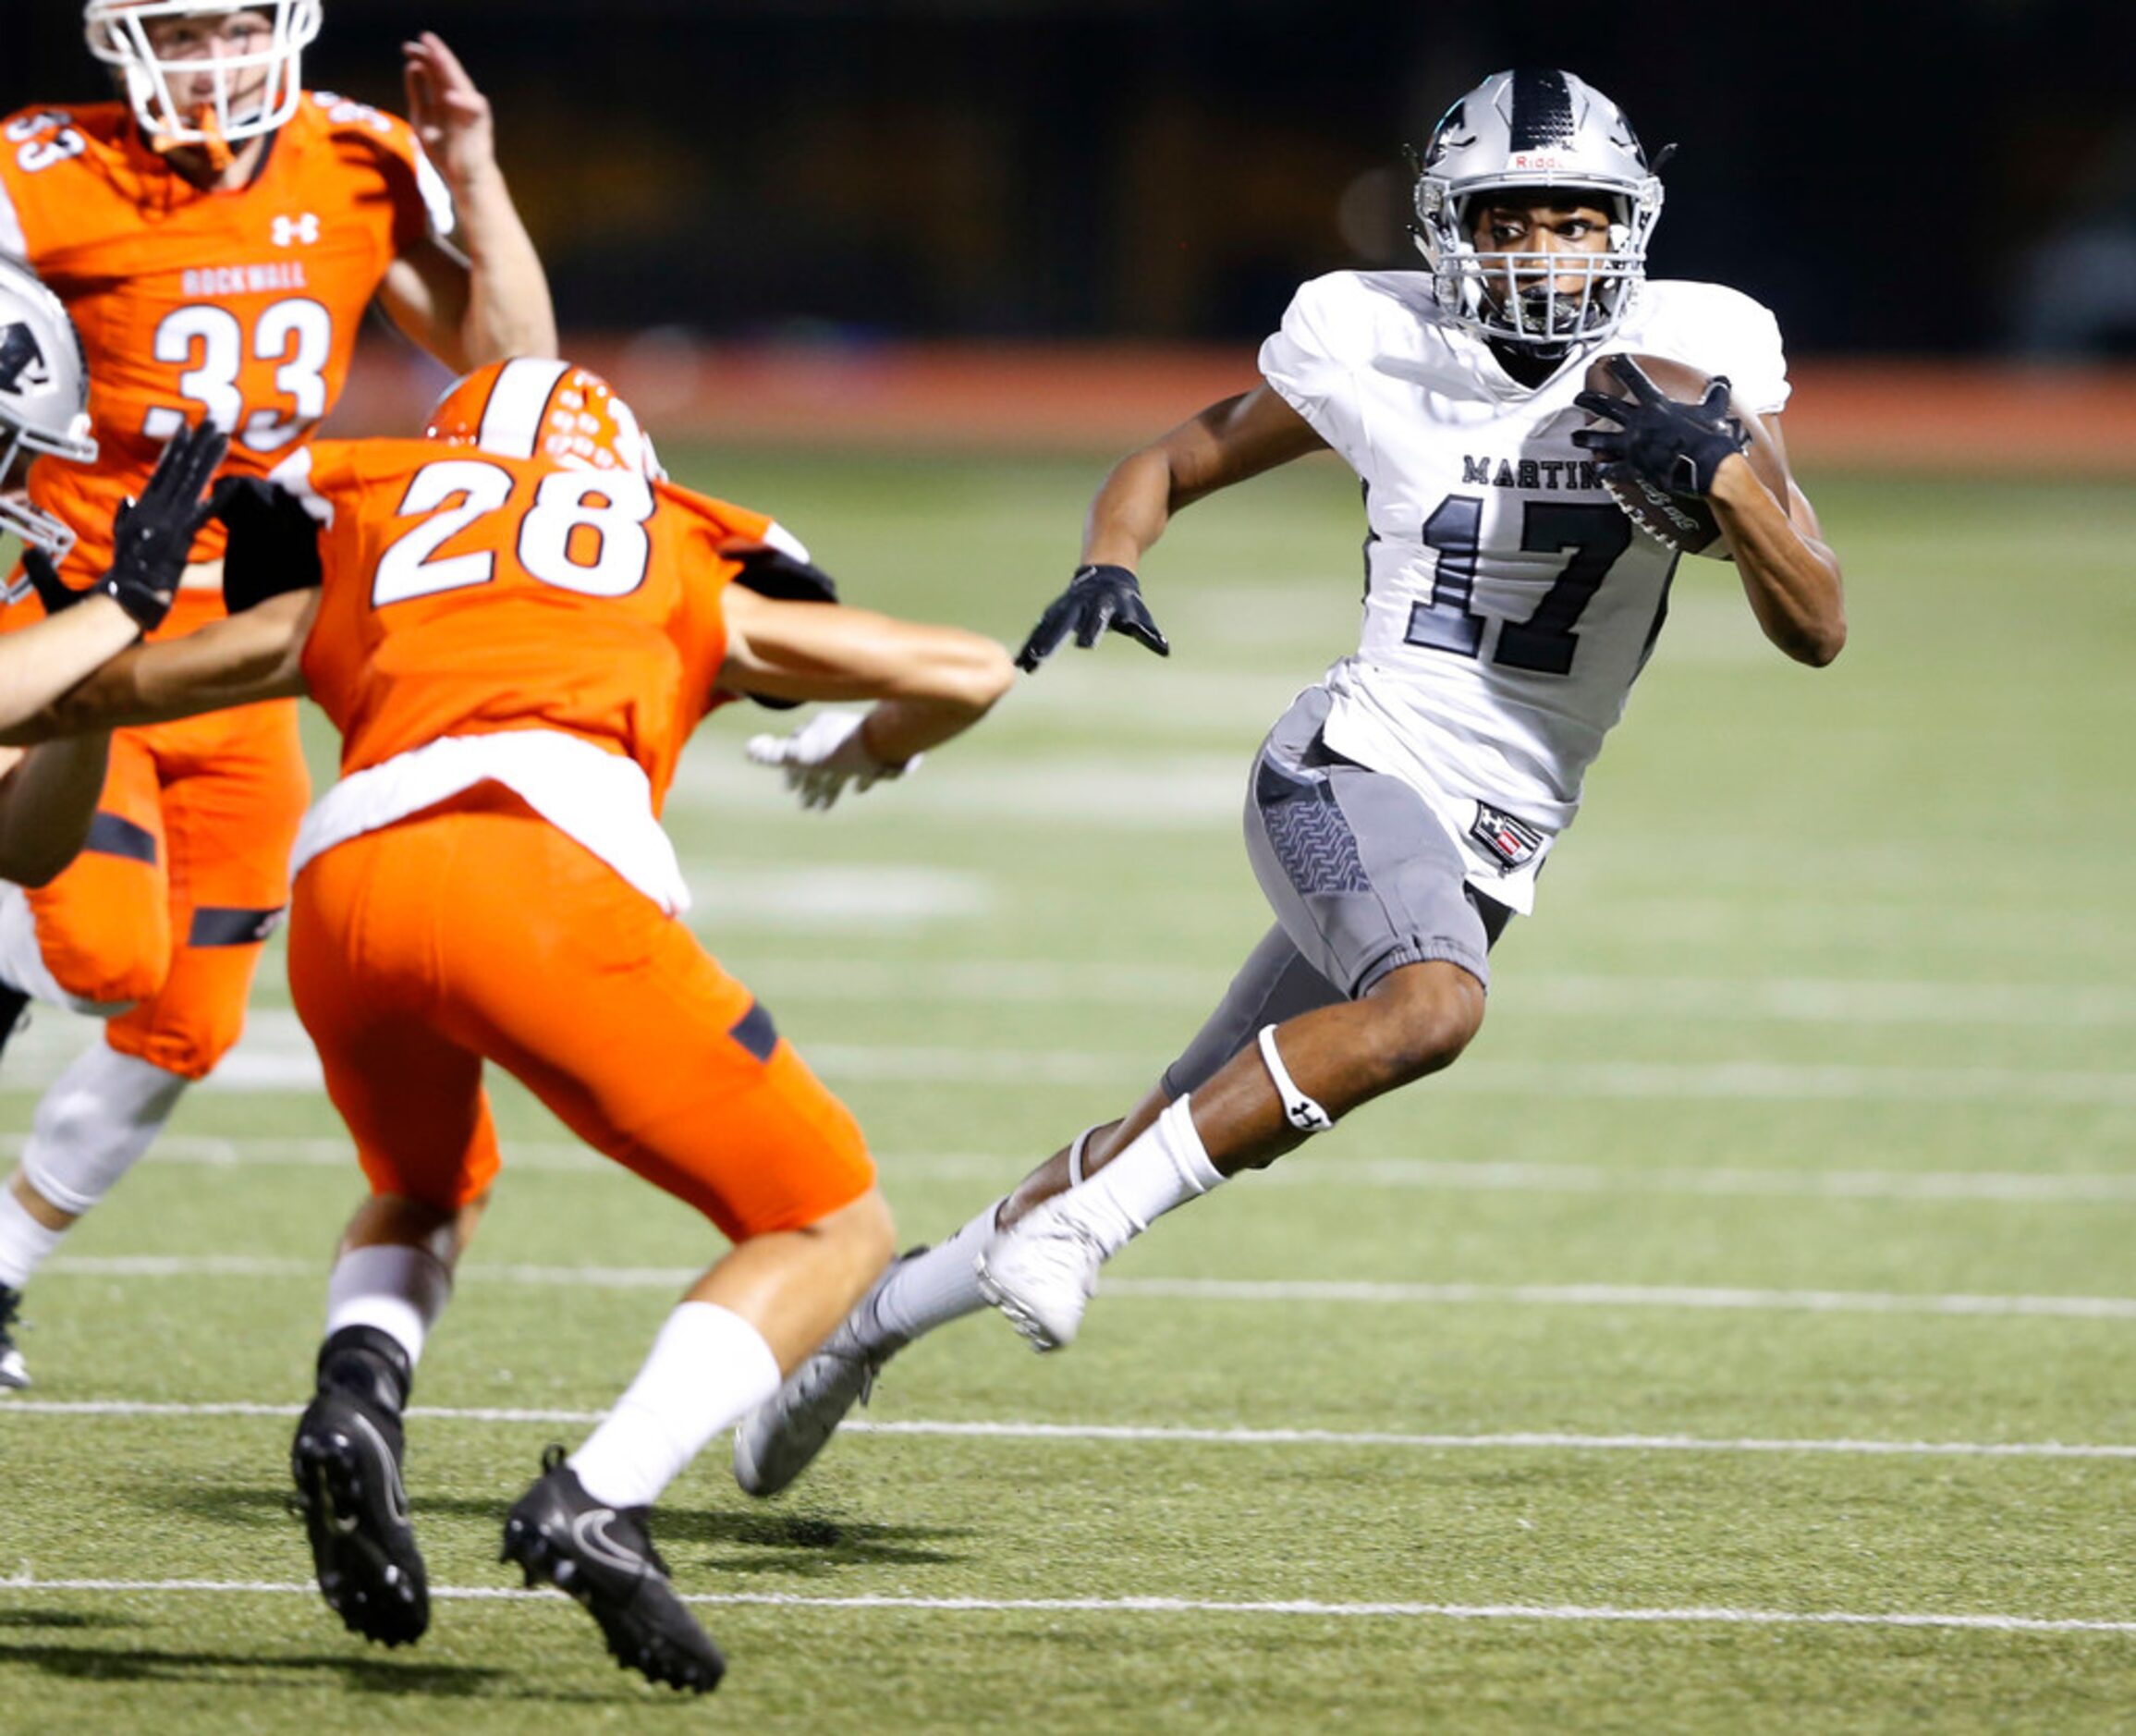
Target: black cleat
[
  {"x": 13, "y": 1374},
  {"x": 345, "y": 1461},
  {"x": 602, "y": 1557}
]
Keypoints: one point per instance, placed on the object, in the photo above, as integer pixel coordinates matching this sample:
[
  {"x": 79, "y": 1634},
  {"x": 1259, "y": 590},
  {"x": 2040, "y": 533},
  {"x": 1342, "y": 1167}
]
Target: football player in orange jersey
[
  {"x": 48, "y": 795},
  {"x": 217, "y": 234},
  {"x": 515, "y": 632}
]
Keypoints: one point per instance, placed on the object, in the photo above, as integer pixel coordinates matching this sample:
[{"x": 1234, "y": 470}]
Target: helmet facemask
[
  {"x": 252, "y": 93},
  {"x": 1522, "y": 135}
]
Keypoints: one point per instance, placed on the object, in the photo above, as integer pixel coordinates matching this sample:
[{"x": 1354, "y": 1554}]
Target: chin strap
[{"x": 1299, "y": 1109}]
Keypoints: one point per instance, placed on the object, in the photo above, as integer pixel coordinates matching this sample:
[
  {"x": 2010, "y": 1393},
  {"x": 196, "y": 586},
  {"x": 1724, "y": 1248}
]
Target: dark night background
[{"x": 1956, "y": 178}]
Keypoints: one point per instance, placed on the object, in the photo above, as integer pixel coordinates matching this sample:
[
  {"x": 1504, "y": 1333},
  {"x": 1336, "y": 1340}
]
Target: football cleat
[
  {"x": 14, "y": 1374},
  {"x": 345, "y": 1461},
  {"x": 779, "y": 1440},
  {"x": 1042, "y": 1274},
  {"x": 602, "y": 1557}
]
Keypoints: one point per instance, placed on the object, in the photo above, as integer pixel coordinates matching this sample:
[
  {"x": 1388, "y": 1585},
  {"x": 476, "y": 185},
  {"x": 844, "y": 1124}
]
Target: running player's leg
[
  {"x": 1373, "y": 892},
  {"x": 94, "y": 940},
  {"x": 360, "y": 972},
  {"x": 629, "y": 1032},
  {"x": 930, "y": 1286}
]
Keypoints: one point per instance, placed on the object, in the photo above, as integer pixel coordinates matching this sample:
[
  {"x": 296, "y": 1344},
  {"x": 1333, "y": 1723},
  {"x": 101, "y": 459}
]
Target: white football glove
[{"x": 822, "y": 756}]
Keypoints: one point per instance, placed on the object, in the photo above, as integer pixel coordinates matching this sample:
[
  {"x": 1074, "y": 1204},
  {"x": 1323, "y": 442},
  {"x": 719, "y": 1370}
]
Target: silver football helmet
[
  {"x": 249, "y": 93},
  {"x": 43, "y": 400},
  {"x": 1520, "y": 131}
]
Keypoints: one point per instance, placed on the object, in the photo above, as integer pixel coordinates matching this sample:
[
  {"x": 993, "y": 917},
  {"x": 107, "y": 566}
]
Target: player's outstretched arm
[
  {"x": 1225, "y": 443},
  {"x": 1791, "y": 577},
  {"x": 929, "y": 683},
  {"x": 485, "y": 297},
  {"x": 235, "y": 661}
]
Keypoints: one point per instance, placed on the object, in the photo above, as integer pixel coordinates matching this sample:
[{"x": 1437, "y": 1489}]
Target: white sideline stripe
[
  {"x": 1175, "y": 1606},
  {"x": 2078, "y": 1187},
  {"x": 1214, "y": 1289},
  {"x": 1518, "y": 1441}
]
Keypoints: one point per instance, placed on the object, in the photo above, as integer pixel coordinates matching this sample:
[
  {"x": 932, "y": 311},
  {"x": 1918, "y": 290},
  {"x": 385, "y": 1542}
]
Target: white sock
[
  {"x": 1166, "y": 1166},
  {"x": 708, "y": 1369},
  {"x": 399, "y": 1290},
  {"x": 928, "y": 1290},
  {"x": 22, "y": 962},
  {"x": 25, "y": 1244},
  {"x": 93, "y": 1123}
]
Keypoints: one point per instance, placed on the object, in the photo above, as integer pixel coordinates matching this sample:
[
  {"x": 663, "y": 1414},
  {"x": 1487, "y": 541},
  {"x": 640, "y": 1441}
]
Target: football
[{"x": 1684, "y": 522}]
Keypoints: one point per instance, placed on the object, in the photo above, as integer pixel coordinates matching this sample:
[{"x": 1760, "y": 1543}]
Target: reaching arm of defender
[
  {"x": 486, "y": 297},
  {"x": 1791, "y": 577},
  {"x": 235, "y": 661},
  {"x": 929, "y": 683},
  {"x": 47, "y": 657},
  {"x": 1225, "y": 443}
]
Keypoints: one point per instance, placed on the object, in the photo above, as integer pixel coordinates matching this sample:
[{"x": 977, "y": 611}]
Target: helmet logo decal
[
  {"x": 1542, "y": 110},
  {"x": 20, "y": 355}
]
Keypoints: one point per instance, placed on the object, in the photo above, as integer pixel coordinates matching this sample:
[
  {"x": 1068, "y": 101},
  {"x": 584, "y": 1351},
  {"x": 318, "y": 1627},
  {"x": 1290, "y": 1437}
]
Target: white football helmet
[
  {"x": 1520, "y": 131},
  {"x": 119, "y": 36},
  {"x": 43, "y": 400}
]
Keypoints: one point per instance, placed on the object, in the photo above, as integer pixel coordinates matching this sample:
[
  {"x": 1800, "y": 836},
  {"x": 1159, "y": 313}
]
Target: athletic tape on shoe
[{"x": 1299, "y": 1109}]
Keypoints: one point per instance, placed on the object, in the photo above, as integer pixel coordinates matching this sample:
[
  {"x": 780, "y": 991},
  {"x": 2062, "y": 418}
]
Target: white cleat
[
  {"x": 779, "y": 1440},
  {"x": 1042, "y": 1275}
]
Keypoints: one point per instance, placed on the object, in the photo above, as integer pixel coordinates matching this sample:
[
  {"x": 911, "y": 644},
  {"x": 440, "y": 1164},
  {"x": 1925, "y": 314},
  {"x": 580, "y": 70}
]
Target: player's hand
[
  {"x": 1679, "y": 447},
  {"x": 274, "y": 544},
  {"x": 451, "y": 118},
  {"x": 152, "y": 536},
  {"x": 824, "y": 755},
  {"x": 51, "y": 590},
  {"x": 1097, "y": 597}
]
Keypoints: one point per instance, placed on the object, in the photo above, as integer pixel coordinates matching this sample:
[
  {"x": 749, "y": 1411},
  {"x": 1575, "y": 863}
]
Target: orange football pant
[
  {"x": 185, "y": 873},
  {"x": 479, "y": 932}
]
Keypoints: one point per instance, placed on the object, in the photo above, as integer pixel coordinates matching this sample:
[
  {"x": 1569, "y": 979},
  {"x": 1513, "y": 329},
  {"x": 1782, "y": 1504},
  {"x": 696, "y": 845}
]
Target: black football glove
[
  {"x": 1097, "y": 597},
  {"x": 151, "y": 536},
  {"x": 273, "y": 545},
  {"x": 1676, "y": 446}
]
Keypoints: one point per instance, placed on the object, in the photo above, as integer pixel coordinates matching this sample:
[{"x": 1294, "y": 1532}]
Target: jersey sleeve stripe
[{"x": 511, "y": 426}]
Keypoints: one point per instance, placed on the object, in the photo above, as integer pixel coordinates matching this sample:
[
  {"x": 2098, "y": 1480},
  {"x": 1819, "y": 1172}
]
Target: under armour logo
[{"x": 288, "y": 231}]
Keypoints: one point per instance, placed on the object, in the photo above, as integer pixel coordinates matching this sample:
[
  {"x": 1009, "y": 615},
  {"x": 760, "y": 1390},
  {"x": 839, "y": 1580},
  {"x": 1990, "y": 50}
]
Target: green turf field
[{"x": 1741, "y": 1337}]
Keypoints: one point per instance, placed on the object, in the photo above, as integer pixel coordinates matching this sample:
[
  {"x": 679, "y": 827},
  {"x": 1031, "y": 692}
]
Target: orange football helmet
[{"x": 532, "y": 408}]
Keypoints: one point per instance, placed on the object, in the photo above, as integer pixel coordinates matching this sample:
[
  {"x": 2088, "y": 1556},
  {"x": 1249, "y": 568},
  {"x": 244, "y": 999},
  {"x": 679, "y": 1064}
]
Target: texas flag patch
[{"x": 1512, "y": 841}]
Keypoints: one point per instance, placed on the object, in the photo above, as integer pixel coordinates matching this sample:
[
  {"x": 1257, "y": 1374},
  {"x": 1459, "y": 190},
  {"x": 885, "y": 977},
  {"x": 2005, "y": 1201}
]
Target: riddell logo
[{"x": 288, "y": 231}]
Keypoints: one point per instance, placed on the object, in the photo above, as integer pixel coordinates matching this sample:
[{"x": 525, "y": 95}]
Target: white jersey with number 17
[{"x": 1510, "y": 604}]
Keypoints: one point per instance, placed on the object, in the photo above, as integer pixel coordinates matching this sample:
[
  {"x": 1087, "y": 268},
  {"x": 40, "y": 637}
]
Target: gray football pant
[{"x": 1362, "y": 880}]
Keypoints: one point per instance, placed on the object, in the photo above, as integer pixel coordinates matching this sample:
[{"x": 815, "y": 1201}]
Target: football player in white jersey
[{"x": 1400, "y": 810}]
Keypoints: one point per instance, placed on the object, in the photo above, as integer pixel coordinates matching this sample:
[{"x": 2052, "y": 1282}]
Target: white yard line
[
  {"x": 1968, "y": 1621},
  {"x": 157, "y": 1266},
  {"x": 2076, "y": 1188},
  {"x": 123, "y": 1408}
]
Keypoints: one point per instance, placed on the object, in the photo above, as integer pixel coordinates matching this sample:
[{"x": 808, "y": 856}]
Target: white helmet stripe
[{"x": 512, "y": 419}]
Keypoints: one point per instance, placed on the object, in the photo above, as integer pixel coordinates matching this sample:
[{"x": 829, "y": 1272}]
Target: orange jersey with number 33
[
  {"x": 240, "y": 304},
  {"x": 465, "y": 593}
]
